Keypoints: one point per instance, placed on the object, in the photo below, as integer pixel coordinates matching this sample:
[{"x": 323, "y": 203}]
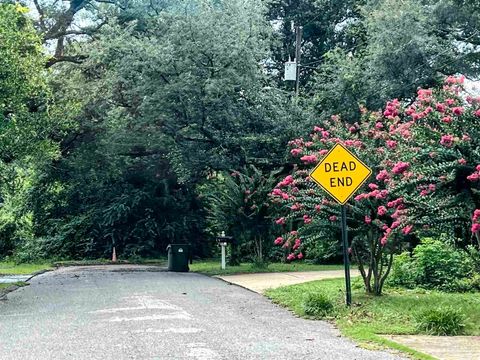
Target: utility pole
[{"x": 298, "y": 44}]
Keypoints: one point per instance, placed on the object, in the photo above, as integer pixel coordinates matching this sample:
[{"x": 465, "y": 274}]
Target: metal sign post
[
  {"x": 340, "y": 173},
  {"x": 346, "y": 260}
]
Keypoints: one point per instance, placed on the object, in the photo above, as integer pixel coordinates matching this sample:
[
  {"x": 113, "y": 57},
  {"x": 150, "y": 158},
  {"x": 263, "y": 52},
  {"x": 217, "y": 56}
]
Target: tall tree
[
  {"x": 26, "y": 132},
  {"x": 164, "y": 100},
  {"x": 408, "y": 44}
]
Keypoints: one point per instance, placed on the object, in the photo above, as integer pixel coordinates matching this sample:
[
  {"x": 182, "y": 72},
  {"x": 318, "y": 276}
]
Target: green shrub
[
  {"x": 259, "y": 264},
  {"x": 434, "y": 265},
  {"x": 474, "y": 254},
  {"x": 403, "y": 272},
  {"x": 318, "y": 305},
  {"x": 441, "y": 321},
  {"x": 464, "y": 285},
  {"x": 439, "y": 264}
]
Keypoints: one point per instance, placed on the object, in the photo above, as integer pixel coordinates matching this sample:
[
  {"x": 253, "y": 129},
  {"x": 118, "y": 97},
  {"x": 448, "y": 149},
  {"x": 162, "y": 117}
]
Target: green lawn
[
  {"x": 392, "y": 313},
  {"x": 10, "y": 268},
  {"x": 212, "y": 267},
  {"x": 4, "y": 286}
]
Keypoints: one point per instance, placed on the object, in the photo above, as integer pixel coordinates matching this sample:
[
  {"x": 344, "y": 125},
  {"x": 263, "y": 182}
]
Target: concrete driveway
[
  {"x": 129, "y": 312},
  {"x": 264, "y": 281}
]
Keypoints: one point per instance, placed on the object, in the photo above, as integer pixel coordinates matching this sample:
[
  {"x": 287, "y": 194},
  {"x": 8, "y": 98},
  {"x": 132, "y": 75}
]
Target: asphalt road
[{"x": 128, "y": 313}]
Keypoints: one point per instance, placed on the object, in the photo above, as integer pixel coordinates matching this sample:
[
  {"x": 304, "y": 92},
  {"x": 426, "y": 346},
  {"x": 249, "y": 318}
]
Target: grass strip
[
  {"x": 11, "y": 268},
  {"x": 394, "y": 313},
  {"x": 212, "y": 267}
]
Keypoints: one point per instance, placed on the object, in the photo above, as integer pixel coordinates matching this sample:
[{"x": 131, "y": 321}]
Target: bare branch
[
  {"x": 76, "y": 59},
  {"x": 85, "y": 31},
  {"x": 41, "y": 15}
]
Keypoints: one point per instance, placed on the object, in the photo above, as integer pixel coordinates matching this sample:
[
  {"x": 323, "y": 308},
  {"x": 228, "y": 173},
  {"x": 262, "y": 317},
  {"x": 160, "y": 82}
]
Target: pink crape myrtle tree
[
  {"x": 420, "y": 154},
  {"x": 439, "y": 137}
]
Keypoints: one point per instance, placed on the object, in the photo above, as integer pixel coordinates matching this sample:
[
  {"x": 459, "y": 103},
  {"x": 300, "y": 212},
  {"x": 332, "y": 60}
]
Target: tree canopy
[{"x": 122, "y": 120}]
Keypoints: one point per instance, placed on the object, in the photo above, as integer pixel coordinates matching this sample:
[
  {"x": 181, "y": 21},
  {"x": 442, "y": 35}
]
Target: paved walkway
[
  {"x": 261, "y": 282},
  {"x": 442, "y": 347}
]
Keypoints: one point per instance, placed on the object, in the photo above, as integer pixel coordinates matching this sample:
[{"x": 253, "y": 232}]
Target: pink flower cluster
[
  {"x": 424, "y": 95},
  {"x": 382, "y": 211},
  {"x": 400, "y": 167},
  {"x": 476, "y": 221},
  {"x": 325, "y": 134},
  {"x": 427, "y": 189},
  {"x": 296, "y": 207},
  {"x": 407, "y": 229},
  {"x": 392, "y": 109},
  {"x": 383, "y": 176},
  {"x": 452, "y": 80},
  {"x": 280, "y": 194},
  {"x": 296, "y": 143},
  {"x": 309, "y": 159},
  {"x": 291, "y": 237},
  {"x": 447, "y": 140},
  {"x": 458, "y": 110},
  {"x": 297, "y": 244},
  {"x": 384, "y": 238},
  {"x": 395, "y": 203},
  {"x": 278, "y": 241},
  {"x": 403, "y": 129},
  {"x": 476, "y": 175},
  {"x": 354, "y": 143},
  {"x": 375, "y": 194},
  {"x": 286, "y": 182},
  {"x": 391, "y": 144},
  {"x": 440, "y": 107},
  {"x": 296, "y": 152},
  {"x": 291, "y": 257}
]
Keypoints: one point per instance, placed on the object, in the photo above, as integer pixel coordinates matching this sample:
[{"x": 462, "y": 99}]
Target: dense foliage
[
  {"x": 399, "y": 47},
  {"x": 122, "y": 123},
  {"x": 436, "y": 264},
  {"x": 238, "y": 205},
  {"x": 28, "y": 124},
  {"x": 155, "y": 110}
]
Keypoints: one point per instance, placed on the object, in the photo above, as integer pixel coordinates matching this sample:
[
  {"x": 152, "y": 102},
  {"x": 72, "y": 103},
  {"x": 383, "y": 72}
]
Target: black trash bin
[{"x": 178, "y": 256}]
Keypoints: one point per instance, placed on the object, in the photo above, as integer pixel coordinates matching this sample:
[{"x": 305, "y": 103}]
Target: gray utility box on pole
[
  {"x": 290, "y": 71},
  {"x": 178, "y": 256}
]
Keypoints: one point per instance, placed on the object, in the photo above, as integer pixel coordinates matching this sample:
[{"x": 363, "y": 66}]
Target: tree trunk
[
  {"x": 361, "y": 268},
  {"x": 387, "y": 272}
]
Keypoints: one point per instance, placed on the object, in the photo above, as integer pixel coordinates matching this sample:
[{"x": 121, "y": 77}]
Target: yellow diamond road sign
[{"x": 340, "y": 173}]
